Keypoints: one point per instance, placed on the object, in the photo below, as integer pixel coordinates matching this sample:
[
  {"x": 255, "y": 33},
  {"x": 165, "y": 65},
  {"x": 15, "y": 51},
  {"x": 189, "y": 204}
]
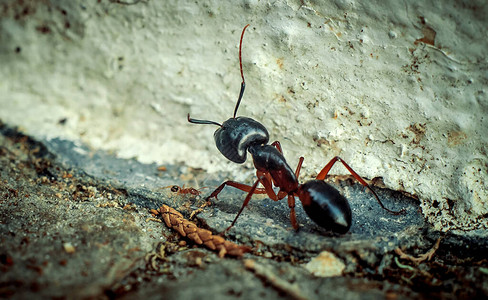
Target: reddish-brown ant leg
[
  {"x": 299, "y": 166},
  {"x": 266, "y": 182},
  {"x": 277, "y": 145},
  {"x": 293, "y": 217},
  {"x": 268, "y": 189},
  {"x": 327, "y": 168},
  {"x": 291, "y": 198},
  {"x": 237, "y": 185},
  {"x": 246, "y": 201}
]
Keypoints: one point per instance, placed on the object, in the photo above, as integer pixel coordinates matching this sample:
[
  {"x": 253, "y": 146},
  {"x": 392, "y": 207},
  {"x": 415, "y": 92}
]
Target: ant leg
[
  {"x": 266, "y": 180},
  {"x": 237, "y": 185},
  {"x": 246, "y": 201},
  {"x": 262, "y": 178},
  {"x": 327, "y": 168},
  {"x": 277, "y": 145},
  {"x": 293, "y": 217},
  {"x": 299, "y": 167}
]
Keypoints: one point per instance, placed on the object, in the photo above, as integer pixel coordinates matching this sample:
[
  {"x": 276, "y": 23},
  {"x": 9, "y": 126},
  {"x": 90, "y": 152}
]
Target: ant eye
[{"x": 175, "y": 188}]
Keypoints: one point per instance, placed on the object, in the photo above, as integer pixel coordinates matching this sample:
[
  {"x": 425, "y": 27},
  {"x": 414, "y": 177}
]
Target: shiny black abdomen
[
  {"x": 236, "y": 135},
  {"x": 327, "y": 207}
]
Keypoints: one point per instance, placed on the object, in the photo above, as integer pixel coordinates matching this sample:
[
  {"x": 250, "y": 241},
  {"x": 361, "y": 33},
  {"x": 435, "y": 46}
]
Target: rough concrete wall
[{"x": 397, "y": 89}]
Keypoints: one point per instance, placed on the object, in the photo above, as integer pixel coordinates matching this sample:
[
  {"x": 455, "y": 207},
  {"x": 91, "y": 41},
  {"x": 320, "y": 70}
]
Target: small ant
[
  {"x": 183, "y": 190},
  {"x": 321, "y": 201}
]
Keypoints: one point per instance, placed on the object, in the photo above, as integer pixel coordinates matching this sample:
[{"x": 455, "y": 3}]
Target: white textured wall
[{"x": 396, "y": 88}]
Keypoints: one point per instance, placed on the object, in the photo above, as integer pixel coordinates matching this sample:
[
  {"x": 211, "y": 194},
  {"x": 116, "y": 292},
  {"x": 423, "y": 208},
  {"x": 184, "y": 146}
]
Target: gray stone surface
[{"x": 74, "y": 224}]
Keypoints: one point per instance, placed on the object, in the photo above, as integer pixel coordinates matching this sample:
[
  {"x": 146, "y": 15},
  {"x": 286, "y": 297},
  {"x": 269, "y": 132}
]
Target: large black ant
[{"x": 321, "y": 201}]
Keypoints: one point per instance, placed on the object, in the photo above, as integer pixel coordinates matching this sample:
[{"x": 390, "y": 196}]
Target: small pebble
[
  {"x": 69, "y": 248},
  {"x": 326, "y": 264}
]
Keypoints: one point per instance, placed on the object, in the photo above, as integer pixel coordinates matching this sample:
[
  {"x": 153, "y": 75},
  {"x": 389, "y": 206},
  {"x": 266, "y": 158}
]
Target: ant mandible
[{"x": 321, "y": 201}]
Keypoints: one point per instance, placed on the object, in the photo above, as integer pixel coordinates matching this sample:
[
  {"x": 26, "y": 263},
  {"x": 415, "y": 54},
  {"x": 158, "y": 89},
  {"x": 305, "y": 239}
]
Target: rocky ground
[{"x": 76, "y": 223}]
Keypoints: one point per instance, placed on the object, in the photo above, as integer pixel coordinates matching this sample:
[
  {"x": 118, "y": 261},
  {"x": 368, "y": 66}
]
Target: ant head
[{"x": 236, "y": 135}]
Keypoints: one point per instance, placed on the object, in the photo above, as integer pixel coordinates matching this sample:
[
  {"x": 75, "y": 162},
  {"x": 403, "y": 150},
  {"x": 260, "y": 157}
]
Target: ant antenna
[
  {"x": 195, "y": 121},
  {"x": 243, "y": 84}
]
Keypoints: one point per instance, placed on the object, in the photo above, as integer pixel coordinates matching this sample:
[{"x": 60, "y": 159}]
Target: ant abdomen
[
  {"x": 326, "y": 206},
  {"x": 236, "y": 135}
]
